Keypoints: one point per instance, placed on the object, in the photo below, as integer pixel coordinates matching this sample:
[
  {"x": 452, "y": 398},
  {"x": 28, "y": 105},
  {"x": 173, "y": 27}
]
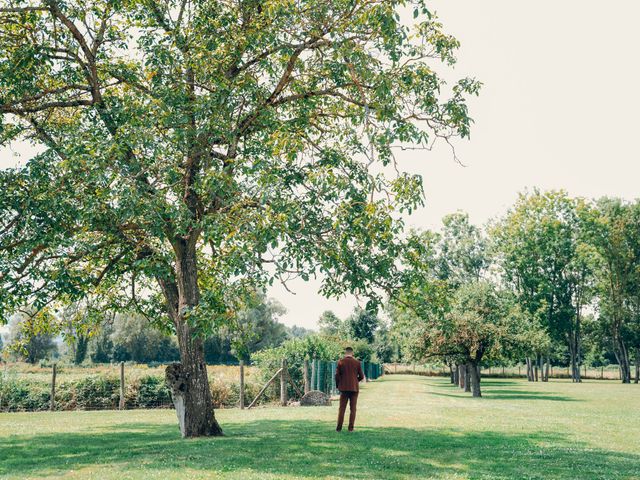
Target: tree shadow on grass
[
  {"x": 312, "y": 449},
  {"x": 498, "y": 393}
]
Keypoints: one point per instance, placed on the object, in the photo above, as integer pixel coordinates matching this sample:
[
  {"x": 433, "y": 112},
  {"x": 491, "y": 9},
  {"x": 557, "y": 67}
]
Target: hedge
[{"x": 102, "y": 392}]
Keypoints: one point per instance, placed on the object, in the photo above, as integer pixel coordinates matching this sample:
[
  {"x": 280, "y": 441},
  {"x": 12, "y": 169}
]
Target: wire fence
[
  {"x": 125, "y": 387},
  {"x": 609, "y": 372},
  {"x": 323, "y": 374}
]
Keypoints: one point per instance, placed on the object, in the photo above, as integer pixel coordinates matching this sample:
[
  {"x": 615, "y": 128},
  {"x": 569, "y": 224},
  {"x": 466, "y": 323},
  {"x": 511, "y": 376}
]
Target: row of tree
[
  {"x": 131, "y": 336},
  {"x": 555, "y": 277}
]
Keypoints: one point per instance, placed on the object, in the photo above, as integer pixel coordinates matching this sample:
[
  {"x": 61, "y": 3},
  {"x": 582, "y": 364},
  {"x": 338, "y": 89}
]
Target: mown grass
[{"x": 408, "y": 427}]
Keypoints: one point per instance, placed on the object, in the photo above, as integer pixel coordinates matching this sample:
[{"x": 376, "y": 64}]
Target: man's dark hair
[{"x": 348, "y": 350}]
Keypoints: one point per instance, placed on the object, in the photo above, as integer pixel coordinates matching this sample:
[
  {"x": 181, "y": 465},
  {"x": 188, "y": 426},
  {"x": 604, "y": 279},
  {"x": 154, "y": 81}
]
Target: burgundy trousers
[{"x": 352, "y": 399}]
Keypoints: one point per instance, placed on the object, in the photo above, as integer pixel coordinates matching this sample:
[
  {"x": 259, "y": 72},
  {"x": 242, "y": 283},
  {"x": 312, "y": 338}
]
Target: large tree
[
  {"x": 482, "y": 323},
  {"x": 615, "y": 233},
  {"x": 543, "y": 249},
  {"x": 188, "y": 148}
]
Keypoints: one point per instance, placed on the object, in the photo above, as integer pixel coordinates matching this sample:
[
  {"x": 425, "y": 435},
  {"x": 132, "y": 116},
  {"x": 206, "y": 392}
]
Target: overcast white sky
[{"x": 558, "y": 109}]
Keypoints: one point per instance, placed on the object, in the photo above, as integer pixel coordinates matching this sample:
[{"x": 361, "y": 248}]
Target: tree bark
[
  {"x": 637, "y": 365},
  {"x": 461, "y": 375},
  {"x": 622, "y": 355},
  {"x": 456, "y": 375},
  {"x": 188, "y": 380},
  {"x": 467, "y": 379},
  {"x": 474, "y": 370},
  {"x": 546, "y": 371}
]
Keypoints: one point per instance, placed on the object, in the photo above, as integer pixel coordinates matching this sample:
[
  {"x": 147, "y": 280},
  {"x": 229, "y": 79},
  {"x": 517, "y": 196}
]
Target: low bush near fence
[{"x": 102, "y": 392}]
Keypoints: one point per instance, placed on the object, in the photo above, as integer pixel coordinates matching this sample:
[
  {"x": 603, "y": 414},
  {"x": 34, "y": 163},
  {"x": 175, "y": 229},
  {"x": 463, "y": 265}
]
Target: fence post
[
  {"x": 241, "y": 384},
  {"x": 334, "y": 367},
  {"x": 121, "y": 405},
  {"x": 283, "y": 383},
  {"x": 52, "y": 405},
  {"x": 314, "y": 369},
  {"x": 305, "y": 374}
]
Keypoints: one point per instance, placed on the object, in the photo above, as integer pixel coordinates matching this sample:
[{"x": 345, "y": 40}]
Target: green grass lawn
[{"x": 408, "y": 427}]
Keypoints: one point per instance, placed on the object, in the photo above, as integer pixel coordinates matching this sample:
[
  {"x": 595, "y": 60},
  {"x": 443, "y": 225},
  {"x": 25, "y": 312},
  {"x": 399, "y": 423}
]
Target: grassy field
[
  {"x": 408, "y": 427},
  {"x": 36, "y": 373}
]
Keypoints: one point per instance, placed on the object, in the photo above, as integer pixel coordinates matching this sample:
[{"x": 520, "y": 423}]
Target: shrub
[
  {"x": 220, "y": 393},
  {"x": 147, "y": 392},
  {"x": 97, "y": 392},
  {"x": 18, "y": 395},
  {"x": 296, "y": 351},
  {"x": 103, "y": 392}
]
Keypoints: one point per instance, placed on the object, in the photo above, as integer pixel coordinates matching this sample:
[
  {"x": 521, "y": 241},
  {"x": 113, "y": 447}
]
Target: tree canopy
[{"x": 191, "y": 150}]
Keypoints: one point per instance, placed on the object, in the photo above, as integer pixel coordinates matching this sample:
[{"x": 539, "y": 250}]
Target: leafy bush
[
  {"x": 103, "y": 392},
  {"x": 17, "y": 395},
  {"x": 97, "y": 392},
  {"x": 296, "y": 351},
  {"x": 147, "y": 392},
  {"x": 227, "y": 395}
]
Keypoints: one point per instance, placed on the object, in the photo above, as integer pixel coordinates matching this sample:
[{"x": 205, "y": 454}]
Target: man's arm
[
  {"x": 360, "y": 372},
  {"x": 338, "y": 373}
]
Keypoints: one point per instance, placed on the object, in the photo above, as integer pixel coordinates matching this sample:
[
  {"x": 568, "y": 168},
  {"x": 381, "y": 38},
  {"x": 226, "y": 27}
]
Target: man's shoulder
[{"x": 352, "y": 360}]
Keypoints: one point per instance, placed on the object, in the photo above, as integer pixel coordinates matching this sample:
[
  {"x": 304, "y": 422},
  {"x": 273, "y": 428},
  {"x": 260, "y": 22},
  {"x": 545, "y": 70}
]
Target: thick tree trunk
[
  {"x": 637, "y": 365},
  {"x": 191, "y": 396},
  {"x": 188, "y": 379},
  {"x": 546, "y": 370},
  {"x": 541, "y": 363},
  {"x": 467, "y": 374},
  {"x": 474, "y": 370},
  {"x": 622, "y": 355},
  {"x": 456, "y": 374},
  {"x": 461, "y": 375}
]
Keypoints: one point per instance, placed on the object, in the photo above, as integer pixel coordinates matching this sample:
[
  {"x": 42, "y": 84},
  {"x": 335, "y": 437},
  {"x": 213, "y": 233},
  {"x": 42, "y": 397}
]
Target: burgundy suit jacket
[{"x": 348, "y": 374}]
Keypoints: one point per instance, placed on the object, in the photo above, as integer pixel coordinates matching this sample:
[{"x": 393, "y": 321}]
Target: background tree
[
  {"x": 185, "y": 145},
  {"x": 28, "y": 340},
  {"x": 542, "y": 249},
  {"x": 615, "y": 229},
  {"x": 481, "y": 323},
  {"x": 135, "y": 339},
  {"x": 362, "y": 325},
  {"x": 295, "y": 331},
  {"x": 256, "y": 326},
  {"x": 79, "y": 322},
  {"x": 330, "y": 324},
  {"x": 101, "y": 344},
  {"x": 462, "y": 256},
  {"x": 384, "y": 345}
]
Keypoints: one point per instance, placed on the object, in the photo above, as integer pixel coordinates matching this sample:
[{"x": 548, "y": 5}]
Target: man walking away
[{"x": 348, "y": 374}]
